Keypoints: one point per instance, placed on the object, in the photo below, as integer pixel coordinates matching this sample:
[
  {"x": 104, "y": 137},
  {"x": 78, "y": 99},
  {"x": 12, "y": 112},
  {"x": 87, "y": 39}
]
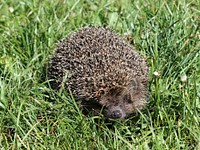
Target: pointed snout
[{"x": 116, "y": 114}]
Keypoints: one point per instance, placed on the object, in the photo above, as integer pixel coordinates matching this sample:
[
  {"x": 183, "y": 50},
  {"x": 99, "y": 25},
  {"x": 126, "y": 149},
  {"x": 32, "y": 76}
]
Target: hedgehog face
[{"x": 121, "y": 102}]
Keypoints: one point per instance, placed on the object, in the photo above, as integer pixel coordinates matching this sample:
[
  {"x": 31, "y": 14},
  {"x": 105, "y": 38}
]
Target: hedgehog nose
[{"x": 116, "y": 114}]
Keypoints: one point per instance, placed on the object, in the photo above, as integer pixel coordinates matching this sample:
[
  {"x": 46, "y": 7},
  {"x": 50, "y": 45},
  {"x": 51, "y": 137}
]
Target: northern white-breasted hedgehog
[{"x": 105, "y": 74}]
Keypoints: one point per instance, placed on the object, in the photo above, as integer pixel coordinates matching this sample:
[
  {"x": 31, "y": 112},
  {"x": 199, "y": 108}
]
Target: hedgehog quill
[{"x": 105, "y": 74}]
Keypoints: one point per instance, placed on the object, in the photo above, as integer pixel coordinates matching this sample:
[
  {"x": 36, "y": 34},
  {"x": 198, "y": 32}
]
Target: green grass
[{"x": 166, "y": 32}]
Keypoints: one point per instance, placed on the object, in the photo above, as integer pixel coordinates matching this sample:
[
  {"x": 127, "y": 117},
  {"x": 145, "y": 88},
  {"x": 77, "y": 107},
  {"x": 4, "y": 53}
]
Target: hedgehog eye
[{"x": 128, "y": 99}]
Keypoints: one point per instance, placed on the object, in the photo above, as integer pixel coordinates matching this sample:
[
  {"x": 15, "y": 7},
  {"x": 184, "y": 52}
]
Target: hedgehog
[{"x": 102, "y": 70}]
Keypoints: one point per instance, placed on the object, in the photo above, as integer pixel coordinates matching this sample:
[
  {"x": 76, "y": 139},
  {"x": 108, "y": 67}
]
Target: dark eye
[{"x": 127, "y": 99}]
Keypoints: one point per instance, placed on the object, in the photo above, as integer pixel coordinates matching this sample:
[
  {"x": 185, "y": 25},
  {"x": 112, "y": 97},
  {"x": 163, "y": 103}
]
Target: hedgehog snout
[{"x": 114, "y": 112}]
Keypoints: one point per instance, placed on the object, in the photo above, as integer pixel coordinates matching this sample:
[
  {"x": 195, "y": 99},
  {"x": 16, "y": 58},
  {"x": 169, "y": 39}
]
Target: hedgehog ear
[{"x": 134, "y": 84}]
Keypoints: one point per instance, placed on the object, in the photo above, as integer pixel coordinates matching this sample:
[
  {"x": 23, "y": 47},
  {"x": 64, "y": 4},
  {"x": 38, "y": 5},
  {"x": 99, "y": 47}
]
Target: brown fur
[{"x": 101, "y": 69}]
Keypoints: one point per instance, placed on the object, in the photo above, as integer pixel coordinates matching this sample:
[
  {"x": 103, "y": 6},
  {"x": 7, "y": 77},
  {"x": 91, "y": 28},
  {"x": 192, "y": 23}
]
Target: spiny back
[{"x": 95, "y": 58}]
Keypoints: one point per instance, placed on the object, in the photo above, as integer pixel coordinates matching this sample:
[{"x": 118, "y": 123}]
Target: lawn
[{"x": 165, "y": 32}]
